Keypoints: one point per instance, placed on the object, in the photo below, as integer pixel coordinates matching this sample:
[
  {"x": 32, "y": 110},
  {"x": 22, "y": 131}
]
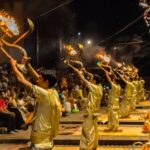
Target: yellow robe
[
  {"x": 113, "y": 107},
  {"x": 89, "y": 136},
  {"x": 135, "y": 95},
  {"x": 46, "y": 124},
  {"x": 142, "y": 93},
  {"x": 125, "y": 106},
  {"x": 80, "y": 98}
]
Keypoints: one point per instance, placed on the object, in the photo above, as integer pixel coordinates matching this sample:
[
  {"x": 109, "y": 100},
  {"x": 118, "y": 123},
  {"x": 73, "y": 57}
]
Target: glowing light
[
  {"x": 99, "y": 63},
  {"x": 115, "y": 47},
  {"x": 106, "y": 59},
  {"x": 103, "y": 58},
  {"x": 70, "y": 50},
  {"x": 79, "y": 33},
  {"x": 68, "y": 47},
  {"x": 73, "y": 53},
  {"x": 8, "y": 24},
  {"x": 89, "y": 42}
]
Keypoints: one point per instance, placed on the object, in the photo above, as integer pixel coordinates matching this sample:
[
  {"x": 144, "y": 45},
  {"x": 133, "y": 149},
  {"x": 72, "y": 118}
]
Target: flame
[
  {"x": 70, "y": 50},
  {"x": 68, "y": 47},
  {"x": 107, "y": 58},
  {"x": 8, "y": 24},
  {"x": 99, "y": 56},
  {"x": 103, "y": 58}
]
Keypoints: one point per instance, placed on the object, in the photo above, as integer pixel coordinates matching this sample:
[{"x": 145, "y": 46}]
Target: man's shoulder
[{"x": 52, "y": 91}]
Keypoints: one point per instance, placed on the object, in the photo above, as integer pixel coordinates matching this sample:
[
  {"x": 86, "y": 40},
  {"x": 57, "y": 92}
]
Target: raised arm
[
  {"x": 34, "y": 75},
  {"x": 121, "y": 76},
  {"x": 107, "y": 76},
  {"x": 83, "y": 69},
  {"x": 76, "y": 62},
  {"x": 110, "y": 69},
  {"x": 32, "y": 71},
  {"x": 17, "y": 73},
  {"x": 90, "y": 75},
  {"x": 76, "y": 71}
]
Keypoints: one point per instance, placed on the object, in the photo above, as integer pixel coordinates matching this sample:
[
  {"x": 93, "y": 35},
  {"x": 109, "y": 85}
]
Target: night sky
[
  {"x": 95, "y": 19},
  {"x": 99, "y": 18}
]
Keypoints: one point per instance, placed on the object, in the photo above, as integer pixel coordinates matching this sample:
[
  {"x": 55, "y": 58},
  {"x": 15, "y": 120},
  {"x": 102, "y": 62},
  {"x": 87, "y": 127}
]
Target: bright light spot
[
  {"x": 115, "y": 47},
  {"x": 106, "y": 59},
  {"x": 79, "y": 33},
  {"x": 89, "y": 42}
]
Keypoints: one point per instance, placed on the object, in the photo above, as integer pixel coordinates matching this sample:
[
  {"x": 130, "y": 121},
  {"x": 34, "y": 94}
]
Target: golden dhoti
[
  {"x": 89, "y": 136},
  {"x": 113, "y": 119},
  {"x": 125, "y": 108},
  {"x": 42, "y": 140}
]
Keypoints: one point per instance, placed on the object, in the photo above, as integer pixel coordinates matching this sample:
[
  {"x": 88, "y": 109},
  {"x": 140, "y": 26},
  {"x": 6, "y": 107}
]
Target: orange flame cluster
[
  {"x": 70, "y": 50},
  {"x": 8, "y": 24},
  {"x": 103, "y": 58}
]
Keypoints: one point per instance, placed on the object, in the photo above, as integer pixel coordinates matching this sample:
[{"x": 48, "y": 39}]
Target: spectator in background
[{"x": 7, "y": 117}]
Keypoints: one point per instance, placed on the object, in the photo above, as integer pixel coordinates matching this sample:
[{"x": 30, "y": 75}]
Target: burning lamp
[
  {"x": 10, "y": 28},
  {"x": 70, "y": 50},
  {"x": 8, "y": 24},
  {"x": 89, "y": 42},
  {"x": 103, "y": 58}
]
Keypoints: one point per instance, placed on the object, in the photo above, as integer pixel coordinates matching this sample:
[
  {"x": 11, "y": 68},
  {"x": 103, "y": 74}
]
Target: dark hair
[
  {"x": 97, "y": 78},
  {"x": 51, "y": 79},
  {"x": 21, "y": 95}
]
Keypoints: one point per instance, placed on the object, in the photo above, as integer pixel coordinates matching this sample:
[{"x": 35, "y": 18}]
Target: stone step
[
  {"x": 133, "y": 119},
  {"x": 65, "y": 147},
  {"x": 70, "y": 134}
]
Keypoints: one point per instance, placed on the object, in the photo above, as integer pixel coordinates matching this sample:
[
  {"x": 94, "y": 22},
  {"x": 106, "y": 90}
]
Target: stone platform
[
  {"x": 143, "y": 104},
  {"x": 99, "y": 148},
  {"x": 64, "y": 147},
  {"x": 69, "y": 134},
  {"x": 70, "y": 131},
  {"x": 128, "y": 135},
  {"x": 134, "y": 118}
]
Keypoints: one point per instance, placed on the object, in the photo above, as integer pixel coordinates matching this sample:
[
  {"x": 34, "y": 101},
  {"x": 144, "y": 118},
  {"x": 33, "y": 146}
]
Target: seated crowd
[{"x": 17, "y": 103}]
